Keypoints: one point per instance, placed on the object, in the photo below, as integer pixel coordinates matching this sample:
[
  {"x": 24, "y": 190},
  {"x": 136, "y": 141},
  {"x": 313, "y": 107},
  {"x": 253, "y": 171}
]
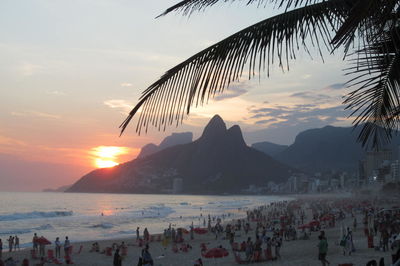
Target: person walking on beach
[
  {"x": 67, "y": 245},
  {"x": 1, "y": 248},
  {"x": 137, "y": 234},
  {"x": 278, "y": 244},
  {"x": 58, "y": 247},
  {"x": 146, "y": 235},
  {"x": 16, "y": 243},
  {"x": 117, "y": 258},
  {"x": 147, "y": 260},
  {"x": 10, "y": 243},
  {"x": 322, "y": 250},
  {"x": 41, "y": 249},
  {"x": 34, "y": 242},
  {"x": 249, "y": 249}
]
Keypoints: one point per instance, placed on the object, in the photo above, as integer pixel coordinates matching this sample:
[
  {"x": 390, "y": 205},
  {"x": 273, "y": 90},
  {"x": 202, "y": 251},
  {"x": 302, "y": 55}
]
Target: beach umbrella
[
  {"x": 43, "y": 241},
  {"x": 200, "y": 231},
  {"x": 184, "y": 230},
  {"x": 326, "y": 218},
  {"x": 303, "y": 226},
  {"x": 216, "y": 253},
  {"x": 314, "y": 223}
]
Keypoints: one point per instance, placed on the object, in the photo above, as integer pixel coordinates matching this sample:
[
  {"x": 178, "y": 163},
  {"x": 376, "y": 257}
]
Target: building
[
  {"x": 177, "y": 185},
  {"x": 374, "y": 160},
  {"x": 395, "y": 170}
]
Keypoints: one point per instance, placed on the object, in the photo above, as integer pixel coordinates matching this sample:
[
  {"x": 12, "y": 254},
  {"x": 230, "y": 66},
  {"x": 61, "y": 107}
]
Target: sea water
[{"x": 84, "y": 216}]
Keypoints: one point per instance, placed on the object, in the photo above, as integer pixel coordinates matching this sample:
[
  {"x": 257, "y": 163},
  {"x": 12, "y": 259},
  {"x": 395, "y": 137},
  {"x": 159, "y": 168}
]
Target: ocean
[{"x": 85, "y": 217}]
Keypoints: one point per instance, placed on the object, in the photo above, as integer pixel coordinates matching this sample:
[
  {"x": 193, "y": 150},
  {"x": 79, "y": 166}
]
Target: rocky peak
[
  {"x": 234, "y": 134},
  {"x": 215, "y": 128}
]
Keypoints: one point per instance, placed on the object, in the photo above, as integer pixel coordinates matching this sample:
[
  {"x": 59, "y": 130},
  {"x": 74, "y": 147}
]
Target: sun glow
[{"x": 106, "y": 156}]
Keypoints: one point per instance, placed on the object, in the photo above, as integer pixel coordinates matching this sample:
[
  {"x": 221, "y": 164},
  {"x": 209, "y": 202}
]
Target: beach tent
[
  {"x": 43, "y": 241},
  {"x": 200, "y": 231},
  {"x": 216, "y": 253}
]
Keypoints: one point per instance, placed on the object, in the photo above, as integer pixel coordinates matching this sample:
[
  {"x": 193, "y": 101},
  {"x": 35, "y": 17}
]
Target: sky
[{"x": 71, "y": 70}]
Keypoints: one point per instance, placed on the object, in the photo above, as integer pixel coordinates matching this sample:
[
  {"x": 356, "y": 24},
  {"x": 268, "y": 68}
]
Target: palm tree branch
[
  {"x": 376, "y": 102},
  {"x": 187, "y": 7},
  {"x": 213, "y": 69}
]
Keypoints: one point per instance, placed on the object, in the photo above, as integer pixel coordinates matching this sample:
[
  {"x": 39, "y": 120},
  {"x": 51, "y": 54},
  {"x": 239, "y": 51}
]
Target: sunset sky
[{"x": 70, "y": 70}]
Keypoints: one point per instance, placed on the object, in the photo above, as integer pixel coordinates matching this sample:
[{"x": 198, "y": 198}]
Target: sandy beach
[{"x": 293, "y": 252}]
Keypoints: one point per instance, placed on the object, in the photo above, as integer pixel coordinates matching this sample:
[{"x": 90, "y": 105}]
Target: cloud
[
  {"x": 311, "y": 95},
  {"x": 122, "y": 105},
  {"x": 55, "y": 92},
  {"x": 297, "y": 114},
  {"x": 35, "y": 114},
  {"x": 28, "y": 69},
  {"x": 336, "y": 86},
  {"x": 266, "y": 121},
  {"x": 126, "y": 84},
  {"x": 232, "y": 92}
]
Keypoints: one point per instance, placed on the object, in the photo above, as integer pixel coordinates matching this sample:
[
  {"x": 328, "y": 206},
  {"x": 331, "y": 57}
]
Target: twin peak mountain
[{"x": 218, "y": 162}]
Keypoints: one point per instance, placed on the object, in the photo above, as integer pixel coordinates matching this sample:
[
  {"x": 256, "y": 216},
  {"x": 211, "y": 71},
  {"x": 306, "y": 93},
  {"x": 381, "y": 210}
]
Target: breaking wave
[{"x": 34, "y": 215}]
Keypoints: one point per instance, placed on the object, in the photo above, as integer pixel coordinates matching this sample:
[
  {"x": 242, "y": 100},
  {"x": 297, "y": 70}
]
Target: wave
[
  {"x": 26, "y": 230},
  {"x": 103, "y": 225},
  {"x": 34, "y": 215}
]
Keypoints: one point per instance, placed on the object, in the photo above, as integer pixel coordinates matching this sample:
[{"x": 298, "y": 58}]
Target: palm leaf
[
  {"x": 367, "y": 20},
  {"x": 213, "y": 69},
  {"x": 189, "y": 6},
  {"x": 377, "y": 100}
]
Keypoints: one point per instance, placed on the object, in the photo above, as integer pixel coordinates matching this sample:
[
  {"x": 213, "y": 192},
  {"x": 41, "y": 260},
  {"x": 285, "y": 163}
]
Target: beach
[{"x": 293, "y": 252}]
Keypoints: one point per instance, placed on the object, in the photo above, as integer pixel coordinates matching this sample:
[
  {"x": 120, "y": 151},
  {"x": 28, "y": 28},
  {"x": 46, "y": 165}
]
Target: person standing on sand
[
  {"x": 147, "y": 260},
  {"x": 137, "y": 234},
  {"x": 117, "y": 259},
  {"x": 16, "y": 243},
  {"x": 58, "y": 247},
  {"x": 34, "y": 242},
  {"x": 10, "y": 243},
  {"x": 146, "y": 235},
  {"x": 1, "y": 248},
  {"x": 67, "y": 245},
  {"x": 322, "y": 250}
]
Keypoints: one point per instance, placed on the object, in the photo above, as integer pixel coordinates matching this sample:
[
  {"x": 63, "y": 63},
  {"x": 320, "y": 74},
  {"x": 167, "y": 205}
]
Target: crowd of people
[{"x": 261, "y": 235}]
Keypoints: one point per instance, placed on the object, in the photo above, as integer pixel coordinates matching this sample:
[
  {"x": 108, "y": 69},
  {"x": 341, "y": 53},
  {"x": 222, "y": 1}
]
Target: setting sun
[{"x": 106, "y": 156}]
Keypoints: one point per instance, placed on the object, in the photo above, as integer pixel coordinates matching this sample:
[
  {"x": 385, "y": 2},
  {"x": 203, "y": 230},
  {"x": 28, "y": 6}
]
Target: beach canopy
[
  {"x": 314, "y": 223},
  {"x": 303, "y": 226},
  {"x": 184, "y": 230},
  {"x": 200, "y": 231},
  {"x": 216, "y": 253},
  {"x": 326, "y": 218},
  {"x": 43, "y": 241}
]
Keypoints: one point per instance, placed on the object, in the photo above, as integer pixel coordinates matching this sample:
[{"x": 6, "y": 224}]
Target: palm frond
[
  {"x": 377, "y": 100},
  {"x": 367, "y": 21},
  {"x": 213, "y": 69},
  {"x": 187, "y": 7}
]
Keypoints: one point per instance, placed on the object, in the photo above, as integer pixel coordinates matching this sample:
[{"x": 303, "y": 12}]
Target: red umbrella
[
  {"x": 216, "y": 253},
  {"x": 326, "y": 218},
  {"x": 314, "y": 223},
  {"x": 184, "y": 230},
  {"x": 43, "y": 241},
  {"x": 200, "y": 231},
  {"x": 303, "y": 226}
]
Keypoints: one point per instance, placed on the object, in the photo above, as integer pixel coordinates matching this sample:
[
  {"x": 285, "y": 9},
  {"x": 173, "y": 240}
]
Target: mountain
[
  {"x": 172, "y": 140},
  {"x": 269, "y": 148},
  {"x": 59, "y": 189},
  {"x": 327, "y": 148},
  {"x": 218, "y": 162}
]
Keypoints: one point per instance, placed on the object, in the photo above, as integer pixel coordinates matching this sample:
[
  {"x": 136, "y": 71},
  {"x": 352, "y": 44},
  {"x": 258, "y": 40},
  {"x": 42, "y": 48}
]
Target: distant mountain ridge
[
  {"x": 172, "y": 140},
  {"x": 218, "y": 162},
  {"x": 59, "y": 189},
  {"x": 325, "y": 149},
  {"x": 269, "y": 148}
]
